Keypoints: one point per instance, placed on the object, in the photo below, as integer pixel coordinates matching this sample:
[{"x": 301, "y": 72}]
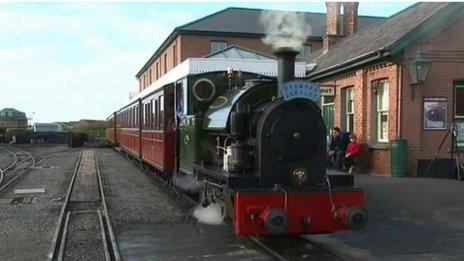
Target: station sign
[
  {"x": 327, "y": 91},
  {"x": 300, "y": 89}
]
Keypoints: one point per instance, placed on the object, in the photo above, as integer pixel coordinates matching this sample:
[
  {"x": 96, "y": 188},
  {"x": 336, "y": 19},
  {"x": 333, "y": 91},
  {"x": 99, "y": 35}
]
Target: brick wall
[
  {"x": 377, "y": 157},
  {"x": 444, "y": 46},
  {"x": 165, "y": 62},
  {"x": 188, "y": 46}
]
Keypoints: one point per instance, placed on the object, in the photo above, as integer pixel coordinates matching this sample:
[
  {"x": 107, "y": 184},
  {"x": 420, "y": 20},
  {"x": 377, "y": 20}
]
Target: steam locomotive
[{"x": 257, "y": 144}]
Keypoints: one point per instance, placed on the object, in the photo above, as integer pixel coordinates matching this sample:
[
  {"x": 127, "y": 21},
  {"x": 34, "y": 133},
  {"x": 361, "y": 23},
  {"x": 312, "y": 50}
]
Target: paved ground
[
  {"x": 27, "y": 221},
  {"x": 410, "y": 219}
]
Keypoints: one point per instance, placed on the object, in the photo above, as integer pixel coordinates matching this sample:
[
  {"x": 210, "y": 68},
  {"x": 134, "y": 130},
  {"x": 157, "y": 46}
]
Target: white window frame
[
  {"x": 349, "y": 102},
  {"x": 382, "y": 106}
]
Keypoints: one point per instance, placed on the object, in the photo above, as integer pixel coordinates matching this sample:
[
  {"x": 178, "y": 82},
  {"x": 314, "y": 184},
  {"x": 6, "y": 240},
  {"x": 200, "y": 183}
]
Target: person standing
[{"x": 337, "y": 148}]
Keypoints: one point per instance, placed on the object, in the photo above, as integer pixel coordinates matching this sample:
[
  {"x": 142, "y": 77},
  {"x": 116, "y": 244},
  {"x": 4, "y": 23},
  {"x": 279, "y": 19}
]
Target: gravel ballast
[
  {"x": 153, "y": 222},
  {"x": 28, "y": 220}
]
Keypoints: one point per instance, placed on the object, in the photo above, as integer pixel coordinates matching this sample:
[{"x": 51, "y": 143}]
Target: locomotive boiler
[{"x": 257, "y": 144}]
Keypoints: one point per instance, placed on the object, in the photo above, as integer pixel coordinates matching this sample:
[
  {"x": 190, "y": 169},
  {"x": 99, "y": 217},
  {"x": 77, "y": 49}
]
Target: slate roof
[
  {"x": 385, "y": 38},
  {"x": 246, "y": 21},
  {"x": 237, "y": 52},
  {"x": 11, "y": 113},
  {"x": 234, "y": 21}
]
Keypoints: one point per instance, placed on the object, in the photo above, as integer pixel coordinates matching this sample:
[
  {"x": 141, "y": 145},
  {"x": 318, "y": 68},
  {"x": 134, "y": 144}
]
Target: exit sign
[{"x": 327, "y": 91}]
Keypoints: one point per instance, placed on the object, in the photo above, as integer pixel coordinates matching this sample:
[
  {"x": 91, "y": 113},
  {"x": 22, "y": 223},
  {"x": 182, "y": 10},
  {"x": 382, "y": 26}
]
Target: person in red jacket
[{"x": 353, "y": 150}]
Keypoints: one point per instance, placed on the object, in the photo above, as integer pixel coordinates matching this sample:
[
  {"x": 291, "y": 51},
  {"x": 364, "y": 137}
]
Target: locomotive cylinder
[{"x": 285, "y": 65}]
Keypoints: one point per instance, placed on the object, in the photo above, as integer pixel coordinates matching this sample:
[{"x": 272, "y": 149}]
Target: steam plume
[
  {"x": 188, "y": 183},
  {"x": 211, "y": 215},
  {"x": 284, "y": 29}
]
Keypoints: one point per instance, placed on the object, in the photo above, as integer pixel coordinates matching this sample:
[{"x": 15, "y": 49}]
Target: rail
[
  {"x": 15, "y": 176},
  {"x": 69, "y": 211}
]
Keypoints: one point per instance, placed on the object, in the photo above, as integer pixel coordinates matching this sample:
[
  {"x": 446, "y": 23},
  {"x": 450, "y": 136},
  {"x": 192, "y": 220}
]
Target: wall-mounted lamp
[{"x": 418, "y": 70}]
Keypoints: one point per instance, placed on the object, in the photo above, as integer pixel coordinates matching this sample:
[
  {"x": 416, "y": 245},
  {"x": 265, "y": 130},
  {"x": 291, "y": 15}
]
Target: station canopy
[{"x": 234, "y": 57}]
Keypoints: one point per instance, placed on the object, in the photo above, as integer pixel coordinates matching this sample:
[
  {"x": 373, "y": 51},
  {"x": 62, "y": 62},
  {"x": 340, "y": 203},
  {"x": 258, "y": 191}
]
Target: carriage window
[
  {"x": 156, "y": 107},
  {"x": 132, "y": 118},
  {"x": 144, "y": 116},
  {"x": 153, "y": 115},
  {"x": 161, "y": 112},
  {"x": 136, "y": 117},
  {"x": 149, "y": 115}
]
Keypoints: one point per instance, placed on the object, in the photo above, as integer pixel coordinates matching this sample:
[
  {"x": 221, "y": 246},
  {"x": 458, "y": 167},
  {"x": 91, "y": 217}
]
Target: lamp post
[{"x": 418, "y": 71}]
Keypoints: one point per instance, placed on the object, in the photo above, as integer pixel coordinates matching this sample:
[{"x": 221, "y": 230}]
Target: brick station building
[
  {"x": 400, "y": 79},
  {"x": 231, "y": 26}
]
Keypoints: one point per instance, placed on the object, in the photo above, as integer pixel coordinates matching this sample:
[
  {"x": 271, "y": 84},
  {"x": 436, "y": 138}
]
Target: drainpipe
[{"x": 399, "y": 78}]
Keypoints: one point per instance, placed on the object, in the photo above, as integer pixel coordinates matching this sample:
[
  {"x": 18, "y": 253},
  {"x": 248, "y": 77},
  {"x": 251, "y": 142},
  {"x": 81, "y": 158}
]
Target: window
[
  {"x": 305, "y": 50},
  {"x": 135, "y": 117},
  {"x": 459, "y": 113},
  {"x": 145, "y": 116},
  {"x": 348, "y": 109},
  {"x": 149, "y": 77},
  {"x": 174, "y": 55},
  {"x": 157, "y": 70},
  {"x": 381, "y": 95},
  {"x": 217, "y": 46},
  {"x": 156, "y": 114},
  {"x": 165, "y": 63},
  {"x": 459, "y": 101},
  {"x": 327, "y": 106},
  {"x": 161, "y": 112}
]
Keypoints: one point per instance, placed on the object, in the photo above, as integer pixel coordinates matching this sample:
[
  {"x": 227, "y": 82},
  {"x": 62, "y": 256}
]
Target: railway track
[
  {"x": 23, "y": 161},
  {"x": 278, "y": 248},
  {"x": 295, "y": 248},
  {"x": 84, "y": 230},
  {"x": 45, "y": 156}
]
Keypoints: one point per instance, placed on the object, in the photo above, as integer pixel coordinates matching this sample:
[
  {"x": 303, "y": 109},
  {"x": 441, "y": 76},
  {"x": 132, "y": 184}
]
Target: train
[{"x": 255, "y": 143}]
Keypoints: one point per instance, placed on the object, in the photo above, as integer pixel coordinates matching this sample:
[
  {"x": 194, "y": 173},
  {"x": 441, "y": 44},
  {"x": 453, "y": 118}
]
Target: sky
[{"x": 72, "y": 61}]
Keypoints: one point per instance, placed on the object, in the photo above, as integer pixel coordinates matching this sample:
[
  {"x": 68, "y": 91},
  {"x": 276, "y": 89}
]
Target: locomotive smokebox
[{"x": 285, "y": 65}]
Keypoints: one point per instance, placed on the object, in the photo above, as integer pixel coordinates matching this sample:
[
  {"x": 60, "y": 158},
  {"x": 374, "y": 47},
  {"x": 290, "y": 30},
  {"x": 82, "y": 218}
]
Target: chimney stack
[
  {"x": 350, "y": 18},
  {"x": 332, "y": 26},
  {"x": 285, "y": 65}
]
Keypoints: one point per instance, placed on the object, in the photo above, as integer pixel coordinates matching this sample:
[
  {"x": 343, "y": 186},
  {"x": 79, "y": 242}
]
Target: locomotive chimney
[{"x": 285, "y": 65}]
